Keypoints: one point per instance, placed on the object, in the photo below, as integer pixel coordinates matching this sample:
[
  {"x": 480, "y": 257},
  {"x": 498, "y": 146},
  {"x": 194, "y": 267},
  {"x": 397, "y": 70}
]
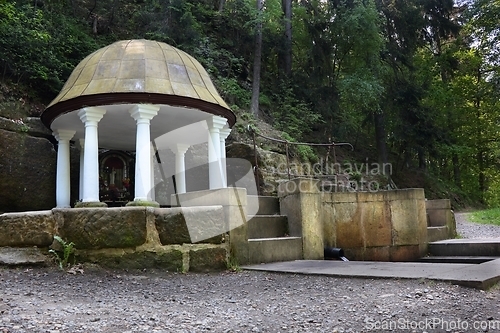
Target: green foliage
[
  {"x": 303, "y": 152},
  {"x": 405, "y": 75},
  {"x": 292, "y": 115},
  {"x": 40, "y": 47},
  {"x": 233, "y": 265},
  {"x": 245, "y": 120},
  {"x": 488, "y": 216},
  {"x": 231, "y": 90},
  {"x": 68, "y": 250}
]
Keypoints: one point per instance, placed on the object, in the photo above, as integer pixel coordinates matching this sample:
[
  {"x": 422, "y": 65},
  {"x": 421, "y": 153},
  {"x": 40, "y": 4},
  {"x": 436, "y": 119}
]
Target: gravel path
[
  {"x": 37, "y": 300},
  {"x": 467, "y": 229},
  {"x": 48, "y": 300}
]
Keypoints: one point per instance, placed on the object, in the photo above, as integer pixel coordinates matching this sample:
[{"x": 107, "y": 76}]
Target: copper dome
[{"x": 138, "y": 71}]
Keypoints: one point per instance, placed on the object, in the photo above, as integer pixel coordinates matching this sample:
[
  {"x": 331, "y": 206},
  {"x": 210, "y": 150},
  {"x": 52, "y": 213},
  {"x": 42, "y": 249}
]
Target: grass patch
[{"x": 487, "y": 216}]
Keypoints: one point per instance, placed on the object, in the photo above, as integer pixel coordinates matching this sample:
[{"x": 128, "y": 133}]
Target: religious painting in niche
[{"x": 114, "y": 180}]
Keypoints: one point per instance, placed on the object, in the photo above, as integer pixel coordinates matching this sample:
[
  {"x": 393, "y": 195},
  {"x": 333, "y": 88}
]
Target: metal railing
[{"x": 331, "y": 147}]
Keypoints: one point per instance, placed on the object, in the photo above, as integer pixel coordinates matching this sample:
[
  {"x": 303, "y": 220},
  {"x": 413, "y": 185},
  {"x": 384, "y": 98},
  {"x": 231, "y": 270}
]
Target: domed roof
[{"x": 138, "y": 71}]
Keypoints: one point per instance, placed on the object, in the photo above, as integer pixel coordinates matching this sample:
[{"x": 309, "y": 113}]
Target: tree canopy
[{"x": 412, "y": 82}]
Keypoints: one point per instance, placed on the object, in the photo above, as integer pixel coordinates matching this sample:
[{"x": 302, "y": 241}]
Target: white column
[
  {"x": 63, "y": 183},
  {"x": 142, "y": 115},
  {"x": 224, "y": 133},
  {"x": 90, "y": 117},
  {"x": 152, "y": 194},
  {"x": 180, "y": 166},
  {"x": 80, "y": 184},
  {"x": 215, "y": 124}
]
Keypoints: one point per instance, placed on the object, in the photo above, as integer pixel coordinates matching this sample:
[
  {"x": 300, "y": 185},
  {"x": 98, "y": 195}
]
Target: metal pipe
[{"x": 334, "y": 253}]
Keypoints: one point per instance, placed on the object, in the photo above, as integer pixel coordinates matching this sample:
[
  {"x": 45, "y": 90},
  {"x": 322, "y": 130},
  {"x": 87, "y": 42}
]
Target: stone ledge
[
  {"x": 27, "y": 229},
  {"x": 96, "y": 228},
  {"x": 186, "y": 225},
  {"x": 170, "y": 260},
  {"x": 21, "y": 256}
]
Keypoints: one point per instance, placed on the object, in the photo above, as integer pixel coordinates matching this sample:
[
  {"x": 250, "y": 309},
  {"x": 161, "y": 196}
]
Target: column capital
[
  {"x": 179, "y": 148},
  {"x": 63, "y": 134},
  {"x": 91, "y": 114},
  {"x": 216, "y": 122},
  {"x": 224, "y": 133},
  {"x": 82, "y": 143},
  {"x": 144, "y": 111}
]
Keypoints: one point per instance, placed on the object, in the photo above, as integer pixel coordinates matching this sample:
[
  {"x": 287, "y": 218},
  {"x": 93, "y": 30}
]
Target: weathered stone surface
[
  {"x": 349, "y": 231},
  {"x": 377, "y": 225},
  {"x": 234, "y": 202},
  {"x": 37, "y": 128},
  {"x": 171, "y": 226},
  {"x": 21, "y": 256},
  {"x": 272, "y": 165},
  {"x": 190, "y": 225},
  {"x": 27, "y": 172},
  {"x": 95, "y": 228},
  {"x": 405, "y": 253},
  {"x": 170, "y": 261},
  {"x": 27, "y": 229},
  {"x": 205, "y": 260},
  {"x": 10, "y": 125},
  {"x": 409, "y": 222}
]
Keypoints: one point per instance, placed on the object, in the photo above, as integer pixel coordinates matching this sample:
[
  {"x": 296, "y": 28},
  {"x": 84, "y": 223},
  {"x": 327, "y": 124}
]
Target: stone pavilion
[{"x": 123, "y": 96}]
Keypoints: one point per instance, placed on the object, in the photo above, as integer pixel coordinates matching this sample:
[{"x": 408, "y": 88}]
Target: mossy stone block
[
  {"x": 97, "y": 228},
  {"x": 205, "y": 260},
  {"x": 170, "y": 261}
]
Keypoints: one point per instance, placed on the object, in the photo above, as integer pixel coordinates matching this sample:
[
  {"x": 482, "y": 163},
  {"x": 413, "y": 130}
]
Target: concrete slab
[
  {"x": 457, "y": 259},
  {"x": 480, "y": 276},
  {"x": 465, "y": 247},
  {"x": 493, "y": 240}
]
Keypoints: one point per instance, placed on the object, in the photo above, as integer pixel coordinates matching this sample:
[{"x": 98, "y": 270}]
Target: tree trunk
[
  {"x": 456, "y": 170},
  {"x": 221, "y": 5},
  {"x": 422, "y": 165},
  {"x": 287, "y": 11},
  {"x": 257, "y": 61}
]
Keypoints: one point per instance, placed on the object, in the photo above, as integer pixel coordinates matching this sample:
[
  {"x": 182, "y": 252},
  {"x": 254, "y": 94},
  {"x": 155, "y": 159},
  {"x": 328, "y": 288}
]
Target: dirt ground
[
  {"x": 99, "y": 300},
  {"x": 48, "y": 300}
]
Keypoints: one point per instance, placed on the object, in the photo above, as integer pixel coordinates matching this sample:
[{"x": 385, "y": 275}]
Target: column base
[
  {"x": 143, "y": 203},
  {"x": 90, "y": 204}
]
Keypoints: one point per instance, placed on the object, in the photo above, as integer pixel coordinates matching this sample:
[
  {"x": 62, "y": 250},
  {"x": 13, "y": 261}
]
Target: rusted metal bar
[
  {"x": 306, "y": 143},
  {"x": 256, "y": 168},
  {"x": 287, "y": 160},
  {"x": 331, "y": 148}
]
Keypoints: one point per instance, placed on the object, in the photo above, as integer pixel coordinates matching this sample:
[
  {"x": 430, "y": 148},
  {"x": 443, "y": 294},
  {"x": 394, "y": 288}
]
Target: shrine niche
[{"x": 115, "y": 177}]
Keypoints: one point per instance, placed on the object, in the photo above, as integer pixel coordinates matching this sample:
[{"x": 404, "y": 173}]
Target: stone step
[
  {"x": 465, "y": 247},
  {"x": 265, "y": 250},
  {"x": 458, "y": 259},
  {"x": 437, "y": 233},
  {"x": 13, "y": 256},
  {"x": 263, "y": 205},
  {"x": 267, "y": 226}
]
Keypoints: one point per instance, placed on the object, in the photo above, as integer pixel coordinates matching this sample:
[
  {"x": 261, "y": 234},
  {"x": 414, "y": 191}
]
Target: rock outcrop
[{"x": 27, "y": 172}]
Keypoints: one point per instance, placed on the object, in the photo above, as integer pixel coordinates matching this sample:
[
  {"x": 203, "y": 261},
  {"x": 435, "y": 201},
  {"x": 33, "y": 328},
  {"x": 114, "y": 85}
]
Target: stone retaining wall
[
  {"x": 129, "y": 237},
  {"x": 439, "y": 214},
  {"x": 378, "y": 226}
]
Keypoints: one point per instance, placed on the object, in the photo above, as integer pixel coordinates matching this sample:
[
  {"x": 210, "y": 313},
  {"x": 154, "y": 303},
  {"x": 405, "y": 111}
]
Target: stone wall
[
  {"x": 130, "y": 237},
  {"x": 439, "y": 214},
  {"x": 378, "y": 226},
  {"x": 28, "y": 166}
]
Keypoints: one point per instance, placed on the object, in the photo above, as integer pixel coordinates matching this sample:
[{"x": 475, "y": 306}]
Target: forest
[{"x": 414, "y": 83}]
